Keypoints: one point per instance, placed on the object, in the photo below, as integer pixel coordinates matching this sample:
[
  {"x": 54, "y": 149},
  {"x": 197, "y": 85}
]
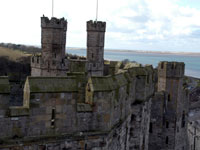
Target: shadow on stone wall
[{"x": 17, "y": 72}]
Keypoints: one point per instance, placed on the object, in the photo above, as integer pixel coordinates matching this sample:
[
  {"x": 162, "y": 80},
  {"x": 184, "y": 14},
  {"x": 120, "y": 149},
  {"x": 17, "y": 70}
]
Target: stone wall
[
  {"x": 138, "y": 133},
  {"x": 53, "y": 113},
  {"x": 194, "y": 123},
  {"x": 194, "y": 135},
  {"x": 156, "y": 123},
  {"x": 40, "y": 67}
]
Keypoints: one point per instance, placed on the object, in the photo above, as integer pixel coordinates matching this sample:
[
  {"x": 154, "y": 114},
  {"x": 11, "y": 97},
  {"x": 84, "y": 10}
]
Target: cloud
[
  {"x": 158, "y": 23},
  {"x": 131, "y": 24}
]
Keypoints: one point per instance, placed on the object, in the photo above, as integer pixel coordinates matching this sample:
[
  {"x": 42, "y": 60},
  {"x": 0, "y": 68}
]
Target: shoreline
[{"x": 147, "y": 52}]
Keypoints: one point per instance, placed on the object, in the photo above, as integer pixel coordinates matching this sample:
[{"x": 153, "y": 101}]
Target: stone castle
[{"x": 93, "y": 104}]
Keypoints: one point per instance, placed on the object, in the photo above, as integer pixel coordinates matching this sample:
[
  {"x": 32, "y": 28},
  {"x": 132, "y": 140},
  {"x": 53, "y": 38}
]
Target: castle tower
[
  {"x": 53, "y": 39},
  {"x": 170, "y": 74},
  {"x": 52, "y": 62},
  {"x": 95, "y": 47},
  {"x": 171, "y": 122}
]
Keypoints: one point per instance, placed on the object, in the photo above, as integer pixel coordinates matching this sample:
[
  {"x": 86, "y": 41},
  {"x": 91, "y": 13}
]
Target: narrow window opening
[
  {"x": 166, "y": 140},
  {"x": 172, "y": 66},
  {"x": 33, "y": 59},
  {"x": 163, "y": 122},
  {"x": 151, "y": 127},
  {"x": 48, "y": 66},
  {"x": 37, "y": 60},
  {"x": 183, "y": 120},
  {"x": 53, "y": 62},
  {"x": 63, "y": 62},
  {"x": 162, "y": 65},
  {"x": 167, "y": 124},
  {"x": 143, "y": 144},
  {"x": 85, "y": 147},
  {"x": 147, "y": 79},
  {"x": 55, "y": 55},
  {"x": 53, "y": 118},
  {"x": 169, "y": 97}
]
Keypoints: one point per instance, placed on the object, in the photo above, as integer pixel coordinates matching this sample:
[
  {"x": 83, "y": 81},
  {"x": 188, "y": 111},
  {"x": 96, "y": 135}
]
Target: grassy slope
[{"x": 13, "y": 55}]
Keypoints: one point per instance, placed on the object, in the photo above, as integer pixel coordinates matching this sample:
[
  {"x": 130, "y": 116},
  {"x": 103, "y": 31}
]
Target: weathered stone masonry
[
  {"x": 72, "y": 104},
  {"x": 170, "y": 108},
  {"x": 52, "y": 62},
  {"x": 95, "y": 47},
  {"x": 110, "y": 113}
]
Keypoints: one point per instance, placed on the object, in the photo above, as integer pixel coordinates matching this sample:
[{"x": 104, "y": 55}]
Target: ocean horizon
[{"x": 192, "y": 62}]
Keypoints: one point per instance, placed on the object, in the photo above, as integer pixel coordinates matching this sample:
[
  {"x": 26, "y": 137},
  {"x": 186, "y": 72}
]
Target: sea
[{"x": 192, "y": 62}]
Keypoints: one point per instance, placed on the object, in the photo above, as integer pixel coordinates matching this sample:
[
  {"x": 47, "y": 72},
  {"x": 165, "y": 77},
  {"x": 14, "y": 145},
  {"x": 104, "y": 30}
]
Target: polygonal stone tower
[
  {"x": 95, "y": 47},
  {"x": 52, "y": 61},
  {"x": 169, "y": 127},
  {"x": 53, "y": 38}
]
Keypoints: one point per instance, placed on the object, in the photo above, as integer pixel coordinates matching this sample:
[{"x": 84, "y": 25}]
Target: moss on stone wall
[
  {"x": 4, "y": 85},
  {"x": 77, "y": 65},
  {"x": 18, "y": 111},
  {"x": 82, "y": 107},
  {"x": 52, "y": 84}
]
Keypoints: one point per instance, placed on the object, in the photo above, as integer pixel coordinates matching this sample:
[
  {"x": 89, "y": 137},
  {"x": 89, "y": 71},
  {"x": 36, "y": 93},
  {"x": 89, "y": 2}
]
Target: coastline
[{"x": 195, "y": 54}]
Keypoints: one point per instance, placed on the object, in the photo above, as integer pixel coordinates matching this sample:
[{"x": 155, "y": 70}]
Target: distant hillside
[
  {"x": 23, "y": 48},
  {"x": 12, "y": 55}
]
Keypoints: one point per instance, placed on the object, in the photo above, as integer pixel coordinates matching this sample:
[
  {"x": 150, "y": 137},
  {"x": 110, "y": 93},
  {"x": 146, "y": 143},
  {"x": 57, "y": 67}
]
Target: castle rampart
[
  {"x": 171, "y": 69},
  {"x": 51, "y": 108},
  {"x": 53, "y": 23},
  {"x": 96, "y": 26}
]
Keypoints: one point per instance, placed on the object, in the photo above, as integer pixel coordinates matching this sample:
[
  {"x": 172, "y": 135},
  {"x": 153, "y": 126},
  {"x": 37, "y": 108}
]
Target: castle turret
[
  {"x": 168, "y": 72},
  {"x": 53, "y": 38},
  {"x": 172, "y": 102},
  {"x": 52, "y": 62},
  {"x": 95, "y": 47}
]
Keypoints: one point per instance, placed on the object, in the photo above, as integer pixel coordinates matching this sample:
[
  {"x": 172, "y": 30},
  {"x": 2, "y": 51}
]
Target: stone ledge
[{"x": 18, "y": 111}]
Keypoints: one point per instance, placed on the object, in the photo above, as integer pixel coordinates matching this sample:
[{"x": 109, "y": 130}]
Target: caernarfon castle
[{"x": 94, "y": 104}]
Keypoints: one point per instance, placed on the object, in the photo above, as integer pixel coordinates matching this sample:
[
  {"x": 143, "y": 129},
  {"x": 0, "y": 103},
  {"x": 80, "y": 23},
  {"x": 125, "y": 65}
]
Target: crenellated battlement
[
  {"x": 40, "y": 63},
  {"x": 53, "y": 23},
  {"x": 96, "y": 26},
  {"x": 36, "y": 59},
  {"x": 171, "y": 69},
  {"x": 52, "y": 61}
]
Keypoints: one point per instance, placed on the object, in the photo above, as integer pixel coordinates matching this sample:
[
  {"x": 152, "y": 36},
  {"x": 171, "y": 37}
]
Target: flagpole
[
  {"x": 97, "y": 10},
  {"x": 52, "y": 7}
]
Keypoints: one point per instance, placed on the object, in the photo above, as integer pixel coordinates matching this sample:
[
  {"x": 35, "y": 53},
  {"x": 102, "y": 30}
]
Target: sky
[{"x": 158, "y": 25}]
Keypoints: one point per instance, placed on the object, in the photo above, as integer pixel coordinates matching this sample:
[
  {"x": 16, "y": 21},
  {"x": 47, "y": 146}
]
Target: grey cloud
[{"x": 195, "y": 34}]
